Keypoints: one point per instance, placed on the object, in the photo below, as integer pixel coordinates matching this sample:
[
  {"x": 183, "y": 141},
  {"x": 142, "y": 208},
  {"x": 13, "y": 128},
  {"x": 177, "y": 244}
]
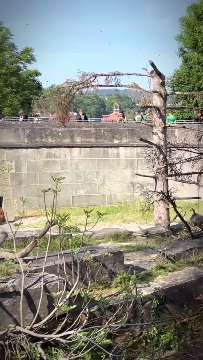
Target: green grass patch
[
  {"x": 121, "y": 213},
  {"x": 59, "y": 243},
  {"x": 136, "y": 247},
  {"x": 8, "y": 268}
]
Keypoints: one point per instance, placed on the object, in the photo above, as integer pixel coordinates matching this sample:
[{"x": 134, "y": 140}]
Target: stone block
[
  {"x": 2, "y": 154},
  {"x": 22, "y": 154},
  {"x": 33, "y": 166},
  {"x": 10, "y": 298},
  {"x": 88, "y": 200},
  {"x": 112, "y": 199},
  {"x": 77, "y": 164},
  {"x": 90, "y": 176},
  {"x": 136, "y": 132},
  {"x": 185, "y": 249},
  {"x": 123, "y": 175},
  {"x": 114, "y": 136},
  {"x": 20, "y": 165},
  {"x": 127, "y": 152},
  {"x": 24, "y": 179},
  {"x": 43, "y": 165},
  {"x": 58, "y": 153},
  {"x": 94, "y": 152},
  {"x": 70, "y": 177},
  {"x": 78, "y": 189},
  {"x": 96, "y": 262},
  {"x": 115, "y": 187},
  {"x": 116, "y": 164},
  {"x": 50, "y": 165}
]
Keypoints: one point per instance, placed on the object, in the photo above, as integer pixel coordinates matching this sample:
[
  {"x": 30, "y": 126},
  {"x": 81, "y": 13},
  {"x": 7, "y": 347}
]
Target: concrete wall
[{"x": 98, "y": 162}]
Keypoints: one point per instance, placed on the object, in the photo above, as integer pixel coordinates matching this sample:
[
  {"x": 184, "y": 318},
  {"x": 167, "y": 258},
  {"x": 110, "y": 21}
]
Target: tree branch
[
  {"x": 155, "y": 68},
  {"x": 186, "y": 173},
  {"x": 147, "y": 176},
  {"x": 34, "y": 242}
]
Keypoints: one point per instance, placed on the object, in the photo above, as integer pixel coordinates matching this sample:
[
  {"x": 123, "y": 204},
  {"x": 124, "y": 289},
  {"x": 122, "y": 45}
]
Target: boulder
[
  {"x": 92, "y": 262},
  {"x": 109, "y": 232},
  {"x": 182, "y": 249},
  {"x": 10, "y": 295}
]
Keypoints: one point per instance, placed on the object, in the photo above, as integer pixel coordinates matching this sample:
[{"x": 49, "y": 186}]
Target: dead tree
[
  {"x": 166, "y": 162},
  {"x": 161, "y": 205}
]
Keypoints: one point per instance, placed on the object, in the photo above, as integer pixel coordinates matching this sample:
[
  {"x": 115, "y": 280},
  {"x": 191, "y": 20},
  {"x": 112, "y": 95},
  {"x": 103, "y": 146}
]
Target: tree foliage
[
  {"x": 94, "y": 105},
  {"x": 189, "y": 76},
  {"x": 18, "y": 83}
]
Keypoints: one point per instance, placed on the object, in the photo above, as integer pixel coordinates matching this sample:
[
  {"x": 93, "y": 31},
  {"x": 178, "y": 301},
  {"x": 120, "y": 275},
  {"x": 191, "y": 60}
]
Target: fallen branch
[{"x": 22, "y": 253}]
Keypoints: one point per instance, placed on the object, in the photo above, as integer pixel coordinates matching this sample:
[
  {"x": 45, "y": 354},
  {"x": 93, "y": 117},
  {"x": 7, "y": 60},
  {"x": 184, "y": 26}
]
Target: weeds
[{"x": 8, "y": 268}]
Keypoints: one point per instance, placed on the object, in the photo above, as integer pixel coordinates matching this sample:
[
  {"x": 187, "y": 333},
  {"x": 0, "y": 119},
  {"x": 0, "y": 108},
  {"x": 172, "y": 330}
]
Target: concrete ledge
[{"x": 30, "y": 135}]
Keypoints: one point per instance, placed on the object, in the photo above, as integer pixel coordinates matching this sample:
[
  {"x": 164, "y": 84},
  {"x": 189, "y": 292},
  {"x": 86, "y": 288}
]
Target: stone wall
[{"x": 98, "y": 162}]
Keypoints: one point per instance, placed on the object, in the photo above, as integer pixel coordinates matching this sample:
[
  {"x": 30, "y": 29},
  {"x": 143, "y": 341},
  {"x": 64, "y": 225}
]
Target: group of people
[{"x": 171, "y": 118}]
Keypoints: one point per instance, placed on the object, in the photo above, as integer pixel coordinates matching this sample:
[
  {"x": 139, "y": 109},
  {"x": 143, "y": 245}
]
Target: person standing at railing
[
  {"x": 82, "y": 116},
  {"x": 36, "y": 118},
  {"x": 123, "y": 116},
  {"x": 23, "y": 116}
]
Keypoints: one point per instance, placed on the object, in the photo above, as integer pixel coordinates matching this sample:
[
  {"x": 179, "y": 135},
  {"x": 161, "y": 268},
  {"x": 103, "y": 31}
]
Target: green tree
[
  {"x": 189, "y": 76},
  {"x": 94, "y": 105},
  {"x": 18, "y": 84},
  {"x": 126, "y": 103}
]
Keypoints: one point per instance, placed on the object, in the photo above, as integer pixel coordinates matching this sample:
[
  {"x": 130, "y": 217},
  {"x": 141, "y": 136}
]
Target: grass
[
  {"x": 8, "y": 268},
  {"x": 137, "y": 247},
  {"x": 122, "y": 213},
  {"x": 123, "y": 242},
  {"x": 57, "y": 243},
  {"x": 164, "y": 268}
]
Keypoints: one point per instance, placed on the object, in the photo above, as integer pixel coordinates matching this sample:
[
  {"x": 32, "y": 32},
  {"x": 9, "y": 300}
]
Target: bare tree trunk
[{"x": 161, "y": 204}]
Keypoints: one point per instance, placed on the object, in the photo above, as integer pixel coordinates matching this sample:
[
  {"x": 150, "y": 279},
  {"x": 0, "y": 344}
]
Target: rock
[
  {"x": 95, "y": 263},
  {"x": 197, "y": 220},
  {"x": 180, "y": 287},
  {"x": 175, "y": 228},
  {"x": 182, "y": 249},
  {"x": 3, "y": 236},
  {"x": 108, "y": 232},
  {"x": 153, "y": 230},
  {"x": 142, "y": 260},
  {"x": 10, "y": 298},
  {"x": 156, "y": 230}
]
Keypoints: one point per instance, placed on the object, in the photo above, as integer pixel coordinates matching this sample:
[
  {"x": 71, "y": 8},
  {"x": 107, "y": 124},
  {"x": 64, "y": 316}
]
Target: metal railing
[{"x": 91, "y": 120}]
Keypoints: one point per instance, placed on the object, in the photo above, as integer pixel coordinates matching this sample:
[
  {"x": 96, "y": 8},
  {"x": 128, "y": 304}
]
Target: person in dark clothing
[
  {"x": 123, "y": 116},
  {"x": 25, "y": 116},
  {"x": 82, "y": 115}
]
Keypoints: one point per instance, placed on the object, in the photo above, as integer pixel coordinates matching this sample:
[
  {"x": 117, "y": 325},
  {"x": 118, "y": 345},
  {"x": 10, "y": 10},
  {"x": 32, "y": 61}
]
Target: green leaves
[
  {"x": 18, "y": 83},
  {"x": 189, "y": 76}
]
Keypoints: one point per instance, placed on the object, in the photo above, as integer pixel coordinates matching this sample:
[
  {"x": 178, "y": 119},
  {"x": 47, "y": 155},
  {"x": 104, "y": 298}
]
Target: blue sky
[{"x": 69, "y": 36}]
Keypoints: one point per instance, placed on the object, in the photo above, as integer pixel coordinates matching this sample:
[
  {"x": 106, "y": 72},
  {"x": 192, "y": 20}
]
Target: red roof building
[{"x": 115, "y": 116}]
